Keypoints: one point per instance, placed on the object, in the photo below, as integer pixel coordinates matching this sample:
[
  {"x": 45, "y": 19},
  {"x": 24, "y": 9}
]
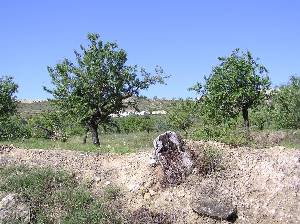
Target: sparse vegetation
[
  {"x": 104, "y": 135},
  {"x": 211, "y": 160},
  {"x": 182, "y": 115},
  {"x": 112, "y": 192},
  {"x": 111, "y": 143},
  {"x": 54, "y": 196}
]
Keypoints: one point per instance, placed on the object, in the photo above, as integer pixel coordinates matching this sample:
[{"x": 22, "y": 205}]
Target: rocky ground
[{"x": 262, "y": 184}]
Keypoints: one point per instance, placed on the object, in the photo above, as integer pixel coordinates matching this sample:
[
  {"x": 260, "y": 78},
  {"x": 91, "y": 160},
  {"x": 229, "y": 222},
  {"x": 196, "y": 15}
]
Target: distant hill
[{"x": 29, "y": 108}]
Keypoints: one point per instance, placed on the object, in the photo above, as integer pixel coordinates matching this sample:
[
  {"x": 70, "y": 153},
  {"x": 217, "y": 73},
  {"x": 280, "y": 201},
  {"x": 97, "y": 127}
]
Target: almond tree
[
  {"x": 8, "y": 102},
  {"x": 98, "y": 83},
  {"x": 234, "y": 86}
]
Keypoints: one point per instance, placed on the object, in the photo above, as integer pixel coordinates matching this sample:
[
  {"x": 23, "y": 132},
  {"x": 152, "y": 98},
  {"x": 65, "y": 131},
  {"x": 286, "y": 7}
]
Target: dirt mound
[{"x": 263, "y": 184}]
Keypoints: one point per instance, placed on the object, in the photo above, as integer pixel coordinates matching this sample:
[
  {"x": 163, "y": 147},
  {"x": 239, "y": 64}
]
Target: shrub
[
  {"x": 210, "y": 161},
  {"x": 13, "y": 127},
  {"x": 8, "y": 102},
  {"x": 262, "y": 116},
  {"x": 286, "y": 103},
  {"x": 182, "y": 115},
  {"x": 53, "y": 125},
  {"x": 135, "y": 123},
  {"x": 45, "y": 125},
  {"x": 229, "y": 132}
]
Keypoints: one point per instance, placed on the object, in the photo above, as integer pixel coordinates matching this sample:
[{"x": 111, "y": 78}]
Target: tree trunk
[
  {"x": 85, "y": 135},
  {"x": 246, "y": 120},
  {"x": 94, "y": 130}
]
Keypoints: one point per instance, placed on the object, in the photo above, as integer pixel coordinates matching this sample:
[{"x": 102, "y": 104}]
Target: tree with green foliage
[
  {"x": 98, "y": 83},
  {"x": 11, "y": 126},
  {"x": 182, "y": 114},
  {"x": 234, "y": 86},
  {"x": 50, "y": 125},
  {"x": 262, "y": 115},
  {"x": 8, "y": 102},
  {"x": 286, "y": 102}
]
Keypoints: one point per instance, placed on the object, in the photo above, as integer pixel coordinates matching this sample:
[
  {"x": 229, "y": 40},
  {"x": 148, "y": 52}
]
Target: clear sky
[{"x": 184, "y": 37}]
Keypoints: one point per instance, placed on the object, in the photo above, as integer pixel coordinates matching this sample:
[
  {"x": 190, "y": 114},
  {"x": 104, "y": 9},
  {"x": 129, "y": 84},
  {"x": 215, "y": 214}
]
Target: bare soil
[{"x": 263, "y": 184}]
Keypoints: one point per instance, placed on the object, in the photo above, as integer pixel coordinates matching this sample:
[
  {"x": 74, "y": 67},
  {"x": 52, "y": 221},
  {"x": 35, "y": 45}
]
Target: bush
[
  {"x": 8, "y": 102},
  {"x": 53, "y": 125},
  {"x": 210, "y": 161},
  {"x": 229, "y": 132},
  {"x": 286, "y": 103},
  {"x": 182, "y": 115},
  {"x": 14, "y": 127},
  {"x": 135, "y": 123},
  {"x": 262, "y": 116}
]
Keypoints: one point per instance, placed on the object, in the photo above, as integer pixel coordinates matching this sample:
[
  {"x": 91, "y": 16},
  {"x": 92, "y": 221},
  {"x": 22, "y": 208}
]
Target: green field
[{"x": 112, "y": 143}]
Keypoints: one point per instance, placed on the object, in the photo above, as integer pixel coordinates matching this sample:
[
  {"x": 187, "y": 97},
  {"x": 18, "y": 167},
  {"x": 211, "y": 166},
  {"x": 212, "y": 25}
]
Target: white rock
[
  {"x": 13, "y": 210},
  {"x": 152, "y": 162},
  {"x": 107, "y": 183},
  {"x": 152, "y": 192},
  {"x": 134, "y": 187}
]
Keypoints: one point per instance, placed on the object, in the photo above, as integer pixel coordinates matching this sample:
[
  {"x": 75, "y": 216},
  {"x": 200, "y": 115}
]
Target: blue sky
[{"x": 184, "y": 37}]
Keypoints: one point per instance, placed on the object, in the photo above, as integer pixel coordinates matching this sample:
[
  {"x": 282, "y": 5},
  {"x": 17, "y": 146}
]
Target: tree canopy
[
  {"x": 182, "y": 114},
  {"x": 98, "y": 83},
  {"x": 8, "y": 103},
  {"x": 286, "y": 103},
  {"x": 237, "y": 84}
]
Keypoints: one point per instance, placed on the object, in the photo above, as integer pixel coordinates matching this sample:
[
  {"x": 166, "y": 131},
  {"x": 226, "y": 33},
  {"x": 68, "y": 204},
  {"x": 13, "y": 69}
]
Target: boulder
[
  {"x": 215, "y": 209},
  {"x": 14, "y": 210},
  {"x": 175, "y": 159}
]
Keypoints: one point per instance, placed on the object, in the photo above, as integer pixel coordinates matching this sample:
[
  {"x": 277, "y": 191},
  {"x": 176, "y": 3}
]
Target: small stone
[
  {"x": 152, "y": 192},
  {"x": 134, "y": 187},
  {"x": 169, "y": 197},
  {"x": 152, "y": 162},
  {"x": 147, "y": 196},
  {"x": 107, "y": 183},
  {"x": 215, "y": 209},
  {"x": 181, "y": 194},
  {"x": 97, "y": 179},
  {"x": 6, "y": 148},
  {"x": 149, "y": 184}
]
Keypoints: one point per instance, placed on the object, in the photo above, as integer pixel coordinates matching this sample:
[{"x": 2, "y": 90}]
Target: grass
[
  {"x": 112, "y": 193},
  {"x": 211, "y": 160},
  {"x": 268, "y": 138},
  {"x": 113, "y": 143},
  {"x": 292, "y": 140},
  {"x": 54, "y": 196}
]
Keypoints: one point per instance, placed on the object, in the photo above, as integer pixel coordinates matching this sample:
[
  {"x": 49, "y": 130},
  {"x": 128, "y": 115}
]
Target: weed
[
  {"x": 210, "y": 161},
  {"x": 112, "y": 192},
  {"x": 54, "y": 196},
  {"x": 115, "y": 143}
]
